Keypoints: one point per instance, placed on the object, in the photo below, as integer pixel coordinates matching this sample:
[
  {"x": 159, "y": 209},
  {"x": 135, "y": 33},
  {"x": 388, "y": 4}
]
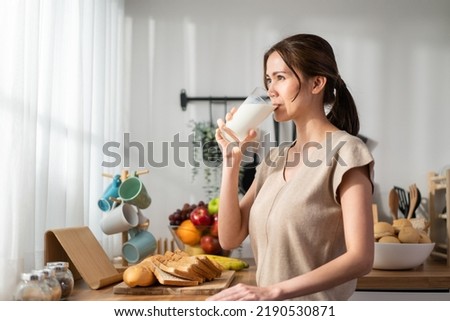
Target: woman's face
[{"x": 283, "y": 86}]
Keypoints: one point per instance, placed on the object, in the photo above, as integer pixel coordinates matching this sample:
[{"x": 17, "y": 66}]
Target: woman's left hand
[{"x": 243, "y": 292}]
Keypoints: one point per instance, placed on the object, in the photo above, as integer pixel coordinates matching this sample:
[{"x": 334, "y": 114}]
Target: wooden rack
[
  {"x": 439, "y": 199},
  {"x": 124, "y": 174}
]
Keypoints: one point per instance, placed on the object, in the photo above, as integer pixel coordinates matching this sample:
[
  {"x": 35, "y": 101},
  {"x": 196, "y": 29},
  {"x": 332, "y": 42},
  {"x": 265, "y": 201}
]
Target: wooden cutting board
[{"x": 207, "y": 288}]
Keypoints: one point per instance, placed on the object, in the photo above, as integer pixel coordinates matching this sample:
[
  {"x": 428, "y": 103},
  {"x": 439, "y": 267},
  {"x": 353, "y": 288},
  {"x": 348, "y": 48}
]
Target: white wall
[{"x": 394, "y": 56}]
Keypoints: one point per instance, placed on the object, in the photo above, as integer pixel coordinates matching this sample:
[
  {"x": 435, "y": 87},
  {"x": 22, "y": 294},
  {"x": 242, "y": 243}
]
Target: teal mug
[
  {"x": 140, "y": 245},
  {"x": 133, "y": 191},
  {"x": 105, "y": 203}
]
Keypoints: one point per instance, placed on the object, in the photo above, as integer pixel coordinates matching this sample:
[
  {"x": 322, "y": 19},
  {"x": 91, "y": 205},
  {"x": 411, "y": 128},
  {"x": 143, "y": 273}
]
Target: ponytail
[{"x": 343, "y": 113}]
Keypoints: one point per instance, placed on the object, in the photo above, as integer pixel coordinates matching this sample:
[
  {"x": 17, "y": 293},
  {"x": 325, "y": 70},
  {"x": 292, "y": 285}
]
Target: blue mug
[{"x": 105, "y": 203}]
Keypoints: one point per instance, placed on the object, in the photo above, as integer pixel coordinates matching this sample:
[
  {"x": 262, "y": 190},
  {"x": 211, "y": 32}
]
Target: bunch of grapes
[{"x": 183, "y": 214}]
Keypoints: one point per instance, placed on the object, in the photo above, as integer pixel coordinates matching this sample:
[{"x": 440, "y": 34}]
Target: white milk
[{"x": 248, "y": 116}]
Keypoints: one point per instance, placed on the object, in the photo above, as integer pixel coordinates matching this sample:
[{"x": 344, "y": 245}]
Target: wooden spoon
[{"x": 393, "y": 203}]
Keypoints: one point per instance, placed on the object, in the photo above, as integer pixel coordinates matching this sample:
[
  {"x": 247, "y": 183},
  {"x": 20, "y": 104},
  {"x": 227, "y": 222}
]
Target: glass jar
[
  {"x": 64, "y": 276},
  {"x": 32, "y": 287},
  {"x": 52, "y": 282}
]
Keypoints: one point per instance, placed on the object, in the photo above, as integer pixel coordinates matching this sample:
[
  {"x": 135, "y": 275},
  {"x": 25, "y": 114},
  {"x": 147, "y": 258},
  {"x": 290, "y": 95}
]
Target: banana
[{"x": 228, "y": 263}]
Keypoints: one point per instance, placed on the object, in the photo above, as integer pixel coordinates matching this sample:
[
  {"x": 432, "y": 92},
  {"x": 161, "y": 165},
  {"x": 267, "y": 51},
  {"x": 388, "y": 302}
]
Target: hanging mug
[
  {"x": 133, "y": 191},
  {"x": 140, "y": 245},
  {"x": 105, "y": 203},
  {"x": 121, "y": 219}
]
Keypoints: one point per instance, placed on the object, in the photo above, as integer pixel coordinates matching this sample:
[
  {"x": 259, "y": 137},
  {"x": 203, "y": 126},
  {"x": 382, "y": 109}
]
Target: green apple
[{"x": 213, "y": 206}]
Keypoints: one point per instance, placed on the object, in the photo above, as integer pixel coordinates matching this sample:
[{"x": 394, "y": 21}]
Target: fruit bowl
[
  {"x": 195, "y": 228},
  {"x": 194, "y": 245},
  {"x": 401, "y": 256}
]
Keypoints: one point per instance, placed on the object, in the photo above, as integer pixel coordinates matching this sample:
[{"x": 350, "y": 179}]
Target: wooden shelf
[
  {"x": 439, "y": 198},
  {"x": 439, "y": 255},
  {"x": 442, "y": 246}
]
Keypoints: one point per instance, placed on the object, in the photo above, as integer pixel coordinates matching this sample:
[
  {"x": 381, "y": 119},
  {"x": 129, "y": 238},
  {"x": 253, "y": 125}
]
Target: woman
[{"x": 308, "y": 210}]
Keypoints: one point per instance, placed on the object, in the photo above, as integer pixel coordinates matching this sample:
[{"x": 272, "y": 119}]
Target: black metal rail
[{"x": 184, "y": 99}]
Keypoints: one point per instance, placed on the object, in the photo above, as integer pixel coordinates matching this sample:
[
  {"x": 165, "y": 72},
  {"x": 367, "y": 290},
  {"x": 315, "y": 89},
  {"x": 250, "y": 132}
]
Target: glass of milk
[{"x": 253, "y": 111}]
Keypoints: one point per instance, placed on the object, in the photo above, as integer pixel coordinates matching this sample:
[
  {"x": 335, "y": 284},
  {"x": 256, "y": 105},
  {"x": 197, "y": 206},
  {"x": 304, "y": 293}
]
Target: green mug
[{"x": 133, "y": 191}]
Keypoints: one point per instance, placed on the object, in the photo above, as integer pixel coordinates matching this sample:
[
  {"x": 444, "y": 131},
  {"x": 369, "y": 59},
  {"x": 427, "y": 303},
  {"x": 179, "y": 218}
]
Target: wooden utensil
[
  {"x": 403, "y": 200},
  {"x": 419, "y": 201},
  {"x": 412, "y": 200},
  {"x": 393, "y": 203}
]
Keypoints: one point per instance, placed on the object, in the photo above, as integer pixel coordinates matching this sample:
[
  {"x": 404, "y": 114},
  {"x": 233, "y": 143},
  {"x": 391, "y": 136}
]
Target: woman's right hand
[{"x": 231, "y": 149}]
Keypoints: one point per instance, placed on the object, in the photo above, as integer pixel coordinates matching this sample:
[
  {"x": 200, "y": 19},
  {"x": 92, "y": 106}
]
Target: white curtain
[{"x": 61, "y": 99}]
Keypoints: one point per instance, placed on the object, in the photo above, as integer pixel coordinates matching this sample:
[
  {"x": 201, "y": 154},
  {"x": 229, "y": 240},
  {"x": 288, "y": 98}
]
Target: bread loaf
[
  {"x": 383, "y": 229},
  {"x": 389, "y": 239},
  {"x": 424, "y": 238},
  {"x": 401, "y": 223},
  {"x": 402, "y": 230},
  {"x": 172, "y": 268},
  {"x": 138, "y": 275},
  {"x": 409, "y": 234}
]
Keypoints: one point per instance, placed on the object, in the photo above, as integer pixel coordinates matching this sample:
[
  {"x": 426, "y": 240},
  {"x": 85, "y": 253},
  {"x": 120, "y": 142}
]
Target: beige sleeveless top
[{"x": 297, "y": 226}]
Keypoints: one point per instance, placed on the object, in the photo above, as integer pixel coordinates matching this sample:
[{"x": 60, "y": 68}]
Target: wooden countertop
[
  {"x": 82, "y": 292},
  {"x": 432, "y": 275}
]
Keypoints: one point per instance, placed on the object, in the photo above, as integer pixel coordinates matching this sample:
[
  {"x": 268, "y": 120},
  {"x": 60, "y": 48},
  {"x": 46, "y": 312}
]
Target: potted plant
[{"x": 207, "y": 155}]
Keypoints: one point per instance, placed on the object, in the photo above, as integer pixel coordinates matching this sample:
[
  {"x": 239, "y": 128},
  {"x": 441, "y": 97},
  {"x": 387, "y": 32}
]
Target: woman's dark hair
[{"x": 313, "y": 56}]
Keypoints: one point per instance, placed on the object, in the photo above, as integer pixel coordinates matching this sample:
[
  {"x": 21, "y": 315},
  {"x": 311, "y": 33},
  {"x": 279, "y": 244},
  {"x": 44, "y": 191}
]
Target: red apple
[
  {"x": 215, "y": 226},
  {"x": 210, "y": 244},
  {"x": 200, "y": 216}
]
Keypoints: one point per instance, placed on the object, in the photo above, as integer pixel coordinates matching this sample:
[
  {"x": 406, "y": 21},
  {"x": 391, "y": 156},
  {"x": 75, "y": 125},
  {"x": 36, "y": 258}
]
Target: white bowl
[{"x": 403, "y": 256}]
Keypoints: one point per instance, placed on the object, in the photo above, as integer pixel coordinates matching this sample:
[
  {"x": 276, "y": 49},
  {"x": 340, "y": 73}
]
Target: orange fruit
[{"x": 188, "y": 233}]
